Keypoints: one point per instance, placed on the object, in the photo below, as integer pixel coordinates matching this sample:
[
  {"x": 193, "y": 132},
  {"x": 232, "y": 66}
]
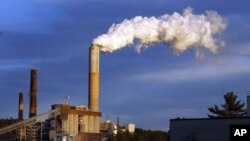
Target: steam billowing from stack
[{"x": 180, "y": 31}]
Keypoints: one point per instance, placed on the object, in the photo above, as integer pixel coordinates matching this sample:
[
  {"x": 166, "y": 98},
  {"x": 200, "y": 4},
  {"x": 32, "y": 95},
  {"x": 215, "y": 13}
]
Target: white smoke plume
[{"x": 180, "y": 31}]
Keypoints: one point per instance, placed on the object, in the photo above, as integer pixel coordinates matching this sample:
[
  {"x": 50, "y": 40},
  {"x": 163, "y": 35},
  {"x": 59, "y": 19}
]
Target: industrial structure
[
  {"x": 20, "y": 106},
  {"x": 74, "y": 123},
  {"x": 33, "y": 93},
  {"x": 94, "y": 53},
  {"x": 63, "y": 122},
  {"x": 109, "y": 128}
]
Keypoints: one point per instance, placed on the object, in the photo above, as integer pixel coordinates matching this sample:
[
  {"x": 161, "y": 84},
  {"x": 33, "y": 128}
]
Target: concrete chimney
[
  {"x": 94, "y": 53},
  {"x": 20, "y": 106},
  {"x": 33, "y": 93}
]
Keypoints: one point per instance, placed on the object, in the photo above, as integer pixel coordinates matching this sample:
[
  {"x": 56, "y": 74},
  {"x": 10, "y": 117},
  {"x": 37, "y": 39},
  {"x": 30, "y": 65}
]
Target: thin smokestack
[
  {"x": 94, "y": 52},
  {"x": 20, "y": 106},
  {"x": 33, "y": 93}
]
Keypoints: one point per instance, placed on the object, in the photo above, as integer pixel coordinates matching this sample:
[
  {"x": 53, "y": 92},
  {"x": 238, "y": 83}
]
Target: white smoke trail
[{"x": 180, "y": 31}]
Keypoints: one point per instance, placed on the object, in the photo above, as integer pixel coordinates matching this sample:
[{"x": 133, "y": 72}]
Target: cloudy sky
[{"x": 146, "y": 88}]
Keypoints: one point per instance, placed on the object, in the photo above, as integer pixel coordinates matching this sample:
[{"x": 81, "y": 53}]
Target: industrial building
[
  {"x": 205, "y": 129},
  {"x": 63, "y": 122},
  {"x": 74, "y": 123},
  {"x": 110, "y": 128}
]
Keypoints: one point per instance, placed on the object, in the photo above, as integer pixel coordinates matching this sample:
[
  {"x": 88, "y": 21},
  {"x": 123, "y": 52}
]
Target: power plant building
[
  {"x": 74, "y": 123},
  {"x": 63, "y": 122}
]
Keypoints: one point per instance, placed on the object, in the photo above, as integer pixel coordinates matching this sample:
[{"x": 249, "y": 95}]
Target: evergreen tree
[{"x": 232, "y": 108}]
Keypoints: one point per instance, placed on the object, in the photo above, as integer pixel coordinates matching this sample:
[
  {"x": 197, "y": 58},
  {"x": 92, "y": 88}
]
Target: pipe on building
[
  {"x": 94, "y": 53},
  {"x": 33, "y": 93},
  {"x": 20, "y": 106}
]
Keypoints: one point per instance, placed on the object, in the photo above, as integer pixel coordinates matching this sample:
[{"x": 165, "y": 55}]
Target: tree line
[{"x": 140, "y": 135}]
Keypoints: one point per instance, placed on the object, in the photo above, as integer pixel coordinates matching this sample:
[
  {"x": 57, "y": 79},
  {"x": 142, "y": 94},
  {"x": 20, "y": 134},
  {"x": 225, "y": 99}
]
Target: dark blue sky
[{"x": 147, "y": 89}]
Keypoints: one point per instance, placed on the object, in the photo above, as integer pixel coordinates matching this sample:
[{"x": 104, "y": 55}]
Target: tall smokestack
[
  {"x": 94, "y": 52},
  {"x": 33, "y": 92},
  {"x": 20, "y": 106}
]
